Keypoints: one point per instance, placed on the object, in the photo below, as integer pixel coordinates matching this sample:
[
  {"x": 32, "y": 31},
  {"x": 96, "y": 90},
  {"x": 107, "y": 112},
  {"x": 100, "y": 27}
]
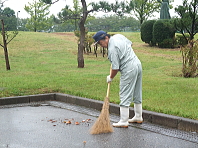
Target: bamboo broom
[{"x": 102, "y": 124}]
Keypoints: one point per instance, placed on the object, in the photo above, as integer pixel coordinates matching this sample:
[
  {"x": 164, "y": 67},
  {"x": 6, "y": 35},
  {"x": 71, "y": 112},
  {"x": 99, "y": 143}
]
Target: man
[{"x": 123, "y": 59}]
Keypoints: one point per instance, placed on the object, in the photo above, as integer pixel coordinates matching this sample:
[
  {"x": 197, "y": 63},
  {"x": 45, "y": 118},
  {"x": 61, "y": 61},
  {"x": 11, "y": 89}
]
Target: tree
[
  {"x": 164, "y": 33},
  {"x": 188, "y": 23},
  {"x": 38, "y": 12},
  {"x": 77, "y": 11},
  {"x": 113, "y": 23},
  {"x": 65, "y": 27},
  {"x": 93, "y": 24},
  {"x": 81, "y": 25},
  {"x": 68, "y": 15},
  {"x": 118, "y": 8},
  {"x": 2, "y": 2},
  {"x": 7, "y": 38},
  {"x": 8, "y": 23},
  {"x": 21, "y": 24},
  {"x": 10, "y": 20},
  {"x": 8, "y": 12},
  {"x": 147, "y": 32},
  {"x": 143, "y": 9}
]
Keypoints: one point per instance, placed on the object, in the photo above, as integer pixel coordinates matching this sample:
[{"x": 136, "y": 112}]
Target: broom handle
[{"x": 108, "y": 87}]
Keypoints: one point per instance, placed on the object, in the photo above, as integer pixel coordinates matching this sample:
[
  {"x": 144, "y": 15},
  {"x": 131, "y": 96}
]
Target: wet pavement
[{"x": 43, "y": 125}]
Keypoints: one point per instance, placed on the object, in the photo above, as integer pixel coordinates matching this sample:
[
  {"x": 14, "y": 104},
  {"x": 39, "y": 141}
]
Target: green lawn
[{"x": 47, "y": 62}]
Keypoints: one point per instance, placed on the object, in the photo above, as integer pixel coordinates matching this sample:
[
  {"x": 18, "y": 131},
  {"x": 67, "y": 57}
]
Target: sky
[{"x": 18, "y": 6}]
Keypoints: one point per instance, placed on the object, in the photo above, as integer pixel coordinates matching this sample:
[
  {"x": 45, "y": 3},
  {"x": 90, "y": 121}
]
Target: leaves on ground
[{"x": 70, "y": 121}]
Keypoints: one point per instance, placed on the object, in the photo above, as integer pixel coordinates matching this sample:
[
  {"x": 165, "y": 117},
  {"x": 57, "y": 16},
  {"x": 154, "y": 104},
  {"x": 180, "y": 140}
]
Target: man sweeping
[{"x": 123, "y": 59}]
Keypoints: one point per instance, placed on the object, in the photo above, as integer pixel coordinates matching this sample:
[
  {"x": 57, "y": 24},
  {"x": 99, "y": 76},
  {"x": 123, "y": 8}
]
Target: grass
[{"x": 47, "y": 62}]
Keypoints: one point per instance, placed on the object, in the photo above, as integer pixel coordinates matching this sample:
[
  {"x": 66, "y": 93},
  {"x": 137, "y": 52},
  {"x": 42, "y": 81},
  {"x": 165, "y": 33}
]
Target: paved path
[{"x": 42, "y": 126}]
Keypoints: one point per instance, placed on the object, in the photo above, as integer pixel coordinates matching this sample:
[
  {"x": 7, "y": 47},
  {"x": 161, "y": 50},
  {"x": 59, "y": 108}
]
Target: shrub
[
  {"x": 163, "y": 32},
  {"x": 190, "y": 58},
  {"x": 147, "y": 32},
  {"x": 181, "y": 40},
  {"x": 167, "y": 43}
]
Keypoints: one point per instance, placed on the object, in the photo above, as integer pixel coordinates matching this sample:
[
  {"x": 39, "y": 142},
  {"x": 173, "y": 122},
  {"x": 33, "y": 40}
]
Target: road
[{"x": 43, "y": 125}]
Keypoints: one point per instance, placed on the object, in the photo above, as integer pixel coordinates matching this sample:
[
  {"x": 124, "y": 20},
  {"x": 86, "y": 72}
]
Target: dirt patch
[
  {"x": 155, "y": 51},
  {"x": 67, "y": 36},
  {"x": 155, "y": 47},
  {"x": 175, "y": 57},
  {"x": 64, "y": 33}
]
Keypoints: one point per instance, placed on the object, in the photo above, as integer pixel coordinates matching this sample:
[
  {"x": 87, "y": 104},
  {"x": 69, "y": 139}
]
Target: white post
[{"x": 17, "y": 19}]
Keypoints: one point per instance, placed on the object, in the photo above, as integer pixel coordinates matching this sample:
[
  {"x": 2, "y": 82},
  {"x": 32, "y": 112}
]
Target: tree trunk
[
  {"x": 81, "y": 46},
  {"x": 191, "y": 56},
  {"x": 5, "y": 47}
]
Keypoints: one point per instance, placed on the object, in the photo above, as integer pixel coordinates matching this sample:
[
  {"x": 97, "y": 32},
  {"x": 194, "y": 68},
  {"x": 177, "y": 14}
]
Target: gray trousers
[{"x": 131, "y": 84}]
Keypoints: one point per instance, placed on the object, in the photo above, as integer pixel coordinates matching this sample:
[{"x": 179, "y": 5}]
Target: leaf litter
[{"x": 68, "y": 121}]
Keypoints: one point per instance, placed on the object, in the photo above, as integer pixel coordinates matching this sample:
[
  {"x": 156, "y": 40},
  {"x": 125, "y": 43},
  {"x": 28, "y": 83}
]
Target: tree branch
[
  {"x": 1, "y": 45},
  {"x": 11, "y": 39},
  {"x": 54, "y": 1},
  {"x": 50, "y": 1},
  {"x": 2, "y": 2}
]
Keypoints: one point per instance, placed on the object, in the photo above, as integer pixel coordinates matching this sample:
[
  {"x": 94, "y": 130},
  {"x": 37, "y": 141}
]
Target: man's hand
[{"x": 109, "y": 79}]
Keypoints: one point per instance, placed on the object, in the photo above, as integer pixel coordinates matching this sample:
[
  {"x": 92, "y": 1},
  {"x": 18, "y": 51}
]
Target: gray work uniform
[{"x": 123, "y": 58}]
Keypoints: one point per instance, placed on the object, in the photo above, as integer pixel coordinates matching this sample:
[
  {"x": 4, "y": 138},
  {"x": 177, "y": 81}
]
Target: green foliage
[
  {"x": 39, "y": 20},
  {"x": 163, "y": 33},
  {"x": 190, "y": 58},
  {"x": 21, "y": 24},
  {"x": 181, "y": 40},
  {"x": 50, "y": 1},
  {"x": 64, "y": 27},
  {"x": 46, "y": 63},
  {"x": 8, "y": 12},
  {"x": 188, "y": 22},
  {"x": 147, "y": 32},
  {"x": 143, "y": 9},
  {"x": 119, "y": 8},
  {"x": 65, "y": 14},
  {"x": 167, "y": 43},
  {"x": 10, "y": 20},
  {"x": 113, "y": 23},
  {"x": 9, "y": 36},
  {"x": 70, "y": 16},
  {"x": 88, "y": 40},
  {"x": 47, "y": 1}
]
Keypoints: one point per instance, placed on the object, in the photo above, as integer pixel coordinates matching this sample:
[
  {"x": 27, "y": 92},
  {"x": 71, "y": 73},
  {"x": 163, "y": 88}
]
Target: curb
[{"x": 170, "y": 121}]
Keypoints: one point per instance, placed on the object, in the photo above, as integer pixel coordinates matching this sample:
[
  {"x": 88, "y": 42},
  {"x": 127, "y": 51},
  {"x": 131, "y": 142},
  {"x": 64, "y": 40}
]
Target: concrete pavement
[{"x": 39, "y": 122}]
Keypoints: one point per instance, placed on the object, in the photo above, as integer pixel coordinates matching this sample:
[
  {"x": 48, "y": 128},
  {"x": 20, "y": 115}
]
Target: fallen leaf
[
  {"x": 68, "y": 122},
  {"x": 77, "y": 123}
]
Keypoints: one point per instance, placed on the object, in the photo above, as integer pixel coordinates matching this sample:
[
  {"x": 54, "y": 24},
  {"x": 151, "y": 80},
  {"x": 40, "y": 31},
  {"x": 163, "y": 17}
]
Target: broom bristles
[{"x": 102, "y": 124}]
